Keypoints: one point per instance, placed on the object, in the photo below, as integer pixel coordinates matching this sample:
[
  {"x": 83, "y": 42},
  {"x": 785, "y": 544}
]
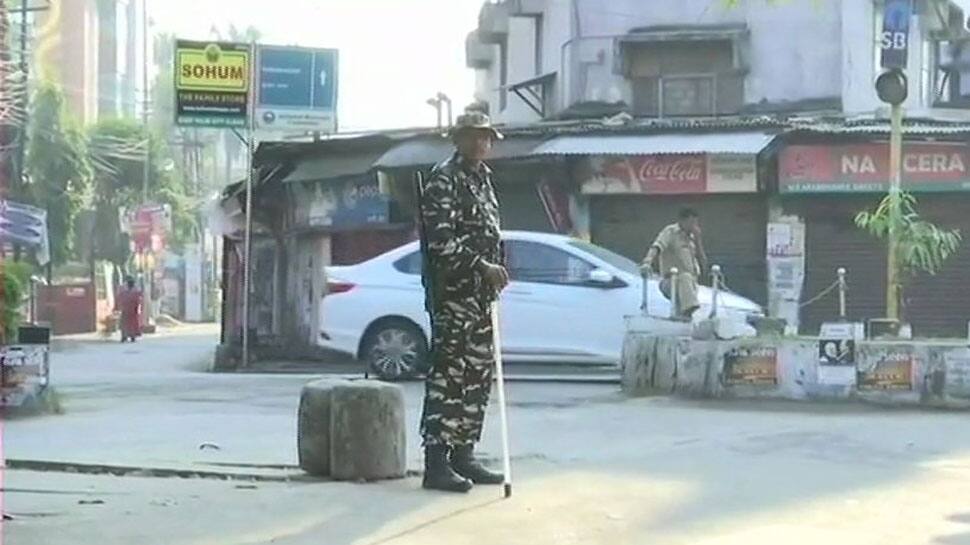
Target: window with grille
[
  {"x": 691, "y": 78},
  {"x": 952, "y": 76}
]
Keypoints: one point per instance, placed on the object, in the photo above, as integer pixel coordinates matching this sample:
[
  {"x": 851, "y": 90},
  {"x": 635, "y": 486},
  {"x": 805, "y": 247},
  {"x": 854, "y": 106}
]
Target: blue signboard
[
  {"x": 297, "y": 89},
  {"x": 894, "y": 40},
  {"x": 344, "y": 204},
  {"x": 361, "y": 202}
]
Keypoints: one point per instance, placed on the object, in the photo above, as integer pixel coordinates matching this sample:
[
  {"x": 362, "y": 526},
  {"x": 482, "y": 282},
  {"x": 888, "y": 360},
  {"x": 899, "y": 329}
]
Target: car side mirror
[{"x": 601, "y": 278}]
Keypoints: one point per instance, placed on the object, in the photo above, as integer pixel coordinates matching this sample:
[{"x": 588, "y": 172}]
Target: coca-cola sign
[{"x": 670, "y": 174}]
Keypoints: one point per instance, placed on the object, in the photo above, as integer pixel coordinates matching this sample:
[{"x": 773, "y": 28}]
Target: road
[{"x": 590, "y": 467}]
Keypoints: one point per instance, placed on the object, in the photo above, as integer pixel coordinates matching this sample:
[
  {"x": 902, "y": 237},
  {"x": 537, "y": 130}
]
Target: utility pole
[
  {"x": 149, "y": 279},
  {"x": 24, "y": 94},
  {"x": 4, "y": 131}
]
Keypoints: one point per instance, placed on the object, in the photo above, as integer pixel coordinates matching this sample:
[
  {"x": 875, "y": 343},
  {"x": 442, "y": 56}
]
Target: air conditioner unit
[
  {"x": 478, "y": 55},
  {"x": 493, "y": 22}
]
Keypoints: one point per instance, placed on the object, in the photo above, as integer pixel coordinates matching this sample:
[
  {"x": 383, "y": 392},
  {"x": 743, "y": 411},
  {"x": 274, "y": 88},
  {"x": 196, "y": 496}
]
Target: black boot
[
  {"x": 464, "y": 463},
  {"x": 438, "y": 474}
]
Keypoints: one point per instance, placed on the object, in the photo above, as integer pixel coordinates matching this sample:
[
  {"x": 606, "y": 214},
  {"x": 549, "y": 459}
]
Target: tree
[
  {"x": 118, "y": 152},
  {"x": 57, "y": 165},
  {"x": 14, "y": 279},
  {"x": 922, "y": 246}
]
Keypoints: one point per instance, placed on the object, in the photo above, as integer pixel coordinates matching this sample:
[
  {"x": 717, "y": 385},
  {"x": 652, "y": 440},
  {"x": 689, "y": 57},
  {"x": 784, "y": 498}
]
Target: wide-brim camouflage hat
[{"x": 474, "y": 121}]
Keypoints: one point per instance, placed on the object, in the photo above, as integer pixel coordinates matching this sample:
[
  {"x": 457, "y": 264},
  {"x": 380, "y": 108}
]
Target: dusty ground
[{"x": 590, "y": 467}]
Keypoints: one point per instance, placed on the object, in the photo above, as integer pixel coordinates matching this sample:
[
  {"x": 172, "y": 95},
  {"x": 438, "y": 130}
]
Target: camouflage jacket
[{"x": 460, "y": 217}]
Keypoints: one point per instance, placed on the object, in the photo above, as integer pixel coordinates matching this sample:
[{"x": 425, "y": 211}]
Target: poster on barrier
[
  {"x": 891, "y": 371},
  {"x": 751, "y": 366},
  {"x": 836, "y": 362},
  {"x": 958, "y": 373}
]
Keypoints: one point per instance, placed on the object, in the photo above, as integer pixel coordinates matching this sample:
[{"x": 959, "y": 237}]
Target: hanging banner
[
  {"x": 25, "y": 225},
  {"x": 212, "y": 84}
]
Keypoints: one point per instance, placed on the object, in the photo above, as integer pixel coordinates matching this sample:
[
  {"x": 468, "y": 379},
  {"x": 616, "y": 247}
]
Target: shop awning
[
  {"x": 420, "y": 152},
  {"x": 332, "y": 166},
  {"x": 739, "y": 143}
]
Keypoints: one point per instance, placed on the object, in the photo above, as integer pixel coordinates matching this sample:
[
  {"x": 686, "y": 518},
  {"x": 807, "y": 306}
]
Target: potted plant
[
  {"x": 14, "y": 281},
  {"x": 920, "y": 246}
]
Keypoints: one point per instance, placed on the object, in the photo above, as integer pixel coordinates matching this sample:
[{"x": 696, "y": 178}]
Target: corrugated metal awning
[
  {"x": 882, "y": 129},
  {"x": 742, "y": 143},
  {"x": 421, "y": 152},
  {"x": 314, "y": 169}
]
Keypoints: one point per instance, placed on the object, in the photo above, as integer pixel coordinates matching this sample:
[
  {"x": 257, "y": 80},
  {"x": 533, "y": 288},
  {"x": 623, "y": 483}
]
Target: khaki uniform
[{"x": 677, "y": 248}]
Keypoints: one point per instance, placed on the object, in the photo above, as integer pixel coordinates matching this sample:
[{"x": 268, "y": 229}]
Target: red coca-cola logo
[
  {"x": 673, "y": 174},
  {"x": 674, "y": 169}
]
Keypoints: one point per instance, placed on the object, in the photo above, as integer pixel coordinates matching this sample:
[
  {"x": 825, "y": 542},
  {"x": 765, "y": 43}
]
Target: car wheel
[{"x": 395, "y": 350}]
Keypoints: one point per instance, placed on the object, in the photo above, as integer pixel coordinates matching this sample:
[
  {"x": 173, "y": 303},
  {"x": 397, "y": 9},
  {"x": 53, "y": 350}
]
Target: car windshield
[{"x": 616, "y": 260}]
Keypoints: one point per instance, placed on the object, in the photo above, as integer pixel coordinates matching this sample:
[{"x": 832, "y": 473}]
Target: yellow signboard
[
  {"x": 212, "y": 69},
  {"x": 212, "y": 83}
]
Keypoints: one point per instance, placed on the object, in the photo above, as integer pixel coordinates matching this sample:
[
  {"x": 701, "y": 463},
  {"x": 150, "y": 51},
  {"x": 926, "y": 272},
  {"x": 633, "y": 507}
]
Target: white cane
[{"x": 503, "y": 416}]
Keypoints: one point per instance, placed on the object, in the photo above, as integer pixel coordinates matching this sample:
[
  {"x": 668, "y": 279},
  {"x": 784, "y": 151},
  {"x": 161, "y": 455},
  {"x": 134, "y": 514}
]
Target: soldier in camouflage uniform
[{"x": 463, "y": 276}]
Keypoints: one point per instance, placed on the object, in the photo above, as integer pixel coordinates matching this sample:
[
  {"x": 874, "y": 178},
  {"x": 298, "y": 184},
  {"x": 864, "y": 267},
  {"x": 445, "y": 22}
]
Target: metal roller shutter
[
  {"x": 831, "y": 241},
  {"x": 940, "y": 305},
  {"x": 352, "y": 247},
  {"x": 734, "y": 231},
  {"x": 521, "y": 208},
  {"x": 935, "y": 305}
]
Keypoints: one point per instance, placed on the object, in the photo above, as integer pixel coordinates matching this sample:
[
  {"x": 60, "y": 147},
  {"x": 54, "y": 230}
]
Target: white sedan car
[{"x": 566, "y": 303}]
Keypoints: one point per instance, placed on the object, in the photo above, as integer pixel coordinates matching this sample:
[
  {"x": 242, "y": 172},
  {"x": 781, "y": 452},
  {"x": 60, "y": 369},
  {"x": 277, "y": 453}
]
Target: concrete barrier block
[
  {"x": 313, "y": 426},
  {"x": 368, "y": 437},
  {"x": 637, "y": 361}
]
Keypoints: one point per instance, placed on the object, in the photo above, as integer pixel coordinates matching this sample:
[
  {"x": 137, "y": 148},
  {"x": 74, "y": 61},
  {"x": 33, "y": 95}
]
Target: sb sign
[
  {"x": 894, "y": 40},
  {"x": 212, "y": 84}
]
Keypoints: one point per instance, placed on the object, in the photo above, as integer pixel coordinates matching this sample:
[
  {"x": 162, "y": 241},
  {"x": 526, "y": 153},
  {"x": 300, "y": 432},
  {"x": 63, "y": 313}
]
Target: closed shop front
[
  {"x": 533, "y": 196},
  {"x": 733, "y": 225},
  {"x": 827, "y": 185},
  {"x": 632, "y": 197}
]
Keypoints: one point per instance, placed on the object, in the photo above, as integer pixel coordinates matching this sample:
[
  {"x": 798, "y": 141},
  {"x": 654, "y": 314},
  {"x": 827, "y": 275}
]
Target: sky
[{"x": 394, "y": 54}]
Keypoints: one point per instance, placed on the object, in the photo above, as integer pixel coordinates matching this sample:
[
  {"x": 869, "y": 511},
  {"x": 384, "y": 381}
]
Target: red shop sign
[{"x": 861, "y": 168}]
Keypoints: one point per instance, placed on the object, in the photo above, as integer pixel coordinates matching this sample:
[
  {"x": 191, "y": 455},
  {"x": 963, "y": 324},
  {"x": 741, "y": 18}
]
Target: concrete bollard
[
  {"x": 313, "y": 426},
  {"x": 367, "y": 425}
]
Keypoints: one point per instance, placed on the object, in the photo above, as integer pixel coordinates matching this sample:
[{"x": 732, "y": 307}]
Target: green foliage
[
  {"x": 57, "y": 165},
  {"x": 922, "y": 246},
  {"x": 14, "y": 281},
  {"x": 118, "y": 150}
]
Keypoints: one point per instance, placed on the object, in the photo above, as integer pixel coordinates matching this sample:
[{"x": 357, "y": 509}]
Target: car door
[{"x": 550, "y": 309}]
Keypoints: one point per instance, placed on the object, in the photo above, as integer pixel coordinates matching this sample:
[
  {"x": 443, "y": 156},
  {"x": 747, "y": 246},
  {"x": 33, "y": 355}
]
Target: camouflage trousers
[{"x": 460, "y": 381}]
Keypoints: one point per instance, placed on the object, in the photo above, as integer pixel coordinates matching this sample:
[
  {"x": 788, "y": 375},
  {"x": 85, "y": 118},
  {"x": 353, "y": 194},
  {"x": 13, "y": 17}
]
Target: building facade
[
  {"x": 96, "y": 51},
  {"x": 617, "y": 114},
  {"x": 702, "y": 75},
  {"x": 540, "y": 58}
]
